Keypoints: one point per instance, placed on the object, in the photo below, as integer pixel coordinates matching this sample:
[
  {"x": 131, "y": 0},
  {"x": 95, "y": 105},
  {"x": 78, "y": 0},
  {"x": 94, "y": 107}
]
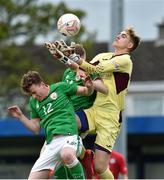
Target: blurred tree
[
  {"x": 22, "y": 24},
  {"x": 25, "y": 21}
]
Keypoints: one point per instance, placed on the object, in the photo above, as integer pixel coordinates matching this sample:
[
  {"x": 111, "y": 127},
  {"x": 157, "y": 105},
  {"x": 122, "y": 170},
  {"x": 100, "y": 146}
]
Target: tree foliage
[
  {"x": 26, "y": 20},
  {"x": 22, "y": 24}
]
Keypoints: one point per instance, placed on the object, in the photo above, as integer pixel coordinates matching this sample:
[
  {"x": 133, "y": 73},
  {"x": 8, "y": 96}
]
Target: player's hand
[
  {"x": 81, "y": 74},
  {"x": 15, "y": 111},
  {"x": 53, "y": 50},
  {"x": 64, "y": 48},
  {"x": 88, "y": 81},
  {"x": 57, "y": 54}
]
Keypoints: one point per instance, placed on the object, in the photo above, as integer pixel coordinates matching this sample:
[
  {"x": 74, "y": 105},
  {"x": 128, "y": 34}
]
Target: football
[{"x": 68, "y": 24}]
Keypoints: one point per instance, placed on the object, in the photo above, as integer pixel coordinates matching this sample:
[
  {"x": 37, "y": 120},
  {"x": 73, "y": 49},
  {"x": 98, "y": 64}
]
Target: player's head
[
  {"x": 79, "y": 49},
  {"x": 127, "y": 40},
  {"x": 33, "y": 84}
]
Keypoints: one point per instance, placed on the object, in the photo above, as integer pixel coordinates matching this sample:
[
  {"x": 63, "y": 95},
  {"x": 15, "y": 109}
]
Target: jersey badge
[
  {"x": 53, "y": 96},
  {"x": 112, "y": 161}
]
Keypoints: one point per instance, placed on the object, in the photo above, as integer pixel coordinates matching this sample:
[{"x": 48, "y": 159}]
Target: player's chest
[{"x": 51, "y": 104}]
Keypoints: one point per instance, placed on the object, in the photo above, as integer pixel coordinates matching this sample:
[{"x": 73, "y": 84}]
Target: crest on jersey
[
  {"x": 53, "y": 96},
  {"x": 112, "y": 160}
]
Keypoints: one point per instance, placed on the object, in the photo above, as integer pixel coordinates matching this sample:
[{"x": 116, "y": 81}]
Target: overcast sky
[{"x": 144, "y": 15}]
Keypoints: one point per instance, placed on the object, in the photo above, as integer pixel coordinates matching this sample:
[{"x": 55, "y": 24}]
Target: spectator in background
[{"x": 117, "y": 165}]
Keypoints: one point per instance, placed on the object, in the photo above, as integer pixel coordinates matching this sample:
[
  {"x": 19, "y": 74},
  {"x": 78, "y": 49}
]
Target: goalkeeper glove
[
  {"x": 57, "y": 54},
  {"x": 68, "y": 50},
  {"x": 64, "y": 48}
]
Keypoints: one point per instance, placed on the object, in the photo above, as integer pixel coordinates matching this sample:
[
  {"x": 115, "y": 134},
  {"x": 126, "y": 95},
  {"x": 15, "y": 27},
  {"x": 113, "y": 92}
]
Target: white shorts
[{"x": 50, "y": 157}]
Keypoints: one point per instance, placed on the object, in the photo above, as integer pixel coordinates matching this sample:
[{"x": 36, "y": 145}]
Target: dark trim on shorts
[
  {"x": 98, "y": 147},
  {"x": 120, "y": 117},
  {"x": 83, "y": 119}
]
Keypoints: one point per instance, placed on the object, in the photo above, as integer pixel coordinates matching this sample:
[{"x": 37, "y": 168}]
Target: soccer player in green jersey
[
  {"x": 51, "y": 108},
  {"x": 104, "y": 116},
  {"x": 80, "y": 102}
]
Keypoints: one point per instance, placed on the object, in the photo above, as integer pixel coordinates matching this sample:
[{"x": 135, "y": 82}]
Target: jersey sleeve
[
  {"x": 33, "y": 113},
  {"x": 69, "y": 89},
  {"x": 65, "y": 74},
  {"x": 118, "y": 63}
]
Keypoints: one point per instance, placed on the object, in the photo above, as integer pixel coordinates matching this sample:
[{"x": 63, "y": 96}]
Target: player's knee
[
  {"x": 99, "y": 168},
  {"x": 67, "y": 155}
]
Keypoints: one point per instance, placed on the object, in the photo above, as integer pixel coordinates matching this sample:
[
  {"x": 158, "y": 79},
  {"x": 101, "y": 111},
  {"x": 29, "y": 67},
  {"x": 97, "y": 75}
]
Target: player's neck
[
  {"x": 46, "y": 90},
  {"x": 117, "y": 53}
]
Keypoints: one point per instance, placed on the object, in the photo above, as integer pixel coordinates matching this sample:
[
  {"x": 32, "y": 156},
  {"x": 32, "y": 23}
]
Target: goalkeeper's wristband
[
  {"x": 65, "y": 60},
  {"x": 74, "y": 57}
]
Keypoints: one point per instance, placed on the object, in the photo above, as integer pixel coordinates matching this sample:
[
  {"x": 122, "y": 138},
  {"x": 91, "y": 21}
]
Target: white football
[{"x": 68, "y": 24}]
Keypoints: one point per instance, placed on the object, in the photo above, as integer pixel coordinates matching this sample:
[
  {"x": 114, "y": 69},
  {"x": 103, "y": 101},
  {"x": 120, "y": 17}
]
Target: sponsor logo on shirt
[
  {"x": 115, "y": 64},
  {"x": 72, "y": 143},
  {"x": 108, "y": 146}
]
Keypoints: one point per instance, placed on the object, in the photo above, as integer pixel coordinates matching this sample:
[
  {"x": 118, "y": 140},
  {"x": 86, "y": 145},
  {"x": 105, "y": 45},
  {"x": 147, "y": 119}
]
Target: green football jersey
[
  {"x": 78, "y": 101},
  {"x": 56, "y": 112}
]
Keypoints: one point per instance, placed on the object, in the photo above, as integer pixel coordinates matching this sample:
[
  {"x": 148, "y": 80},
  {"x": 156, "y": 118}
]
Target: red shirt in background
[{"x": 117, "y": 164}]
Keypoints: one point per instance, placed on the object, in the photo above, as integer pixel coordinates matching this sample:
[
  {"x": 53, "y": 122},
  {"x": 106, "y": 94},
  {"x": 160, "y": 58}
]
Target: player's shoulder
[
  {"x": 62, "y": 85},
  {"x": 59, "y": 84},
  {"x": 32, "y": 100},
  {"x": 126, "y": 57},
  {"x": 105, "y": 54},
  {"x": 101, "y": 56}
]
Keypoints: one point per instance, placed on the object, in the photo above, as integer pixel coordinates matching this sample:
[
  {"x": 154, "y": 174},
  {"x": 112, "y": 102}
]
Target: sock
[
  {"x": 61, "y": 173},
  {"x": 76, "y": 170},
  {"x": 107, "y": 174}
]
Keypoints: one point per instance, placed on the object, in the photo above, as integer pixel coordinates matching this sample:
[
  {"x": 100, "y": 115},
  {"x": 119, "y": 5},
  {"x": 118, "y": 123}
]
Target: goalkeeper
[{"x": 104, "y": 117}]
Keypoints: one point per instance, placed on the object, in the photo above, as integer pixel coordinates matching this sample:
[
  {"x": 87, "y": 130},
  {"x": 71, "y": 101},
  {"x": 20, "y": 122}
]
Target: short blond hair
[{"x": 134, "y": 37}]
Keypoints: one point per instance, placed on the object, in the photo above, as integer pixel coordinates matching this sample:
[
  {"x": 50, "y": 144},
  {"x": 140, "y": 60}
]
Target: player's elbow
[
  {"x": 105, "y": 91},
  {"x": 82, "y": 90},
  {"x": 86, "y": 91},
  {"x": 36, "y": 129}
]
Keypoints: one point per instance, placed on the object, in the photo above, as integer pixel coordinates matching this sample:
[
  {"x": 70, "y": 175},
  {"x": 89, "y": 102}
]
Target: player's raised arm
[
  {"x": 86, "y": 90},
  {"x": 57, "y": 50},
  {"x": 32, "y": 125}
]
